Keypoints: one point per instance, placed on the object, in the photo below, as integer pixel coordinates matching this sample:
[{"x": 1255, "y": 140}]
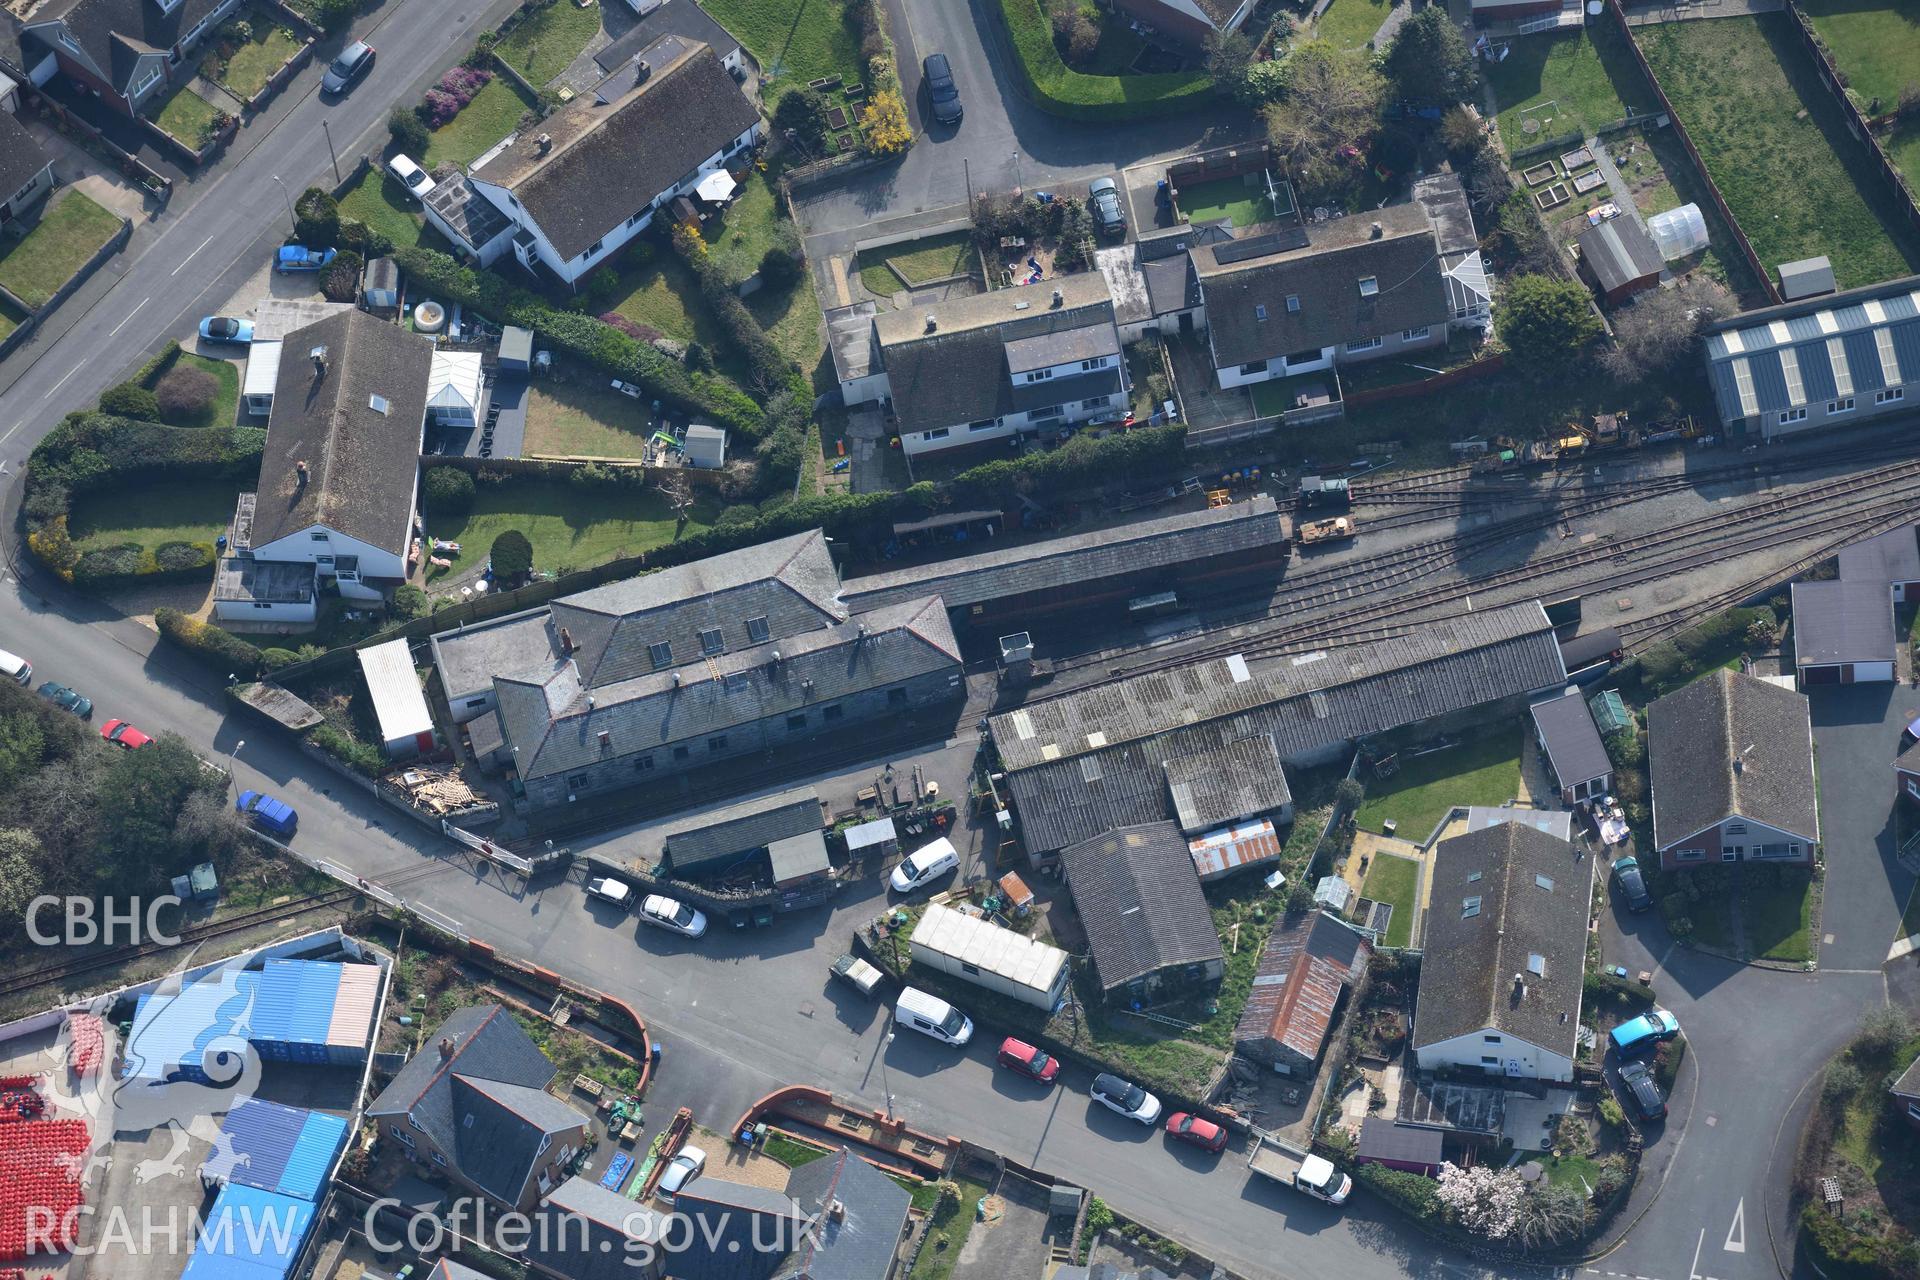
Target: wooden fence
[{"x": 1856, "y": 120}]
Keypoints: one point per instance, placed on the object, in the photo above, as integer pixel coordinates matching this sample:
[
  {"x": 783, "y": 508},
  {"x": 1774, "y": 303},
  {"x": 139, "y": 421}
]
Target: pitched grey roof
[
  {"x": 115, "y": 32},
  {"x": 1507, "y": 900},
  {"x": 500, "y": 1148},
  {"x": 1695, "y": 734},
  {"x": 1225, "y": 784},
  {"x": 21, "y": 157},
  {"x": 1844, "y": 344},
  {"x": 589, "y": 1233},
  {"x": 1555, "y": 822},
  {"x": 1141, "y": 902},
  {"x": 1056, "y": 347},
  {"x": 611, "y": 152},
  {"x": 554, "y": 721},
  {"x": 1805, "y": 277},
  {"x": 791, "y": 857},
  {"x": 859, "y": 1243},
  {"x": 1836, "y": 622},
  {"x": 789, "y": 583},
  {"x": 469, "y": 658},
  {"x": 1326, "y": 277},
  {"x": 1297, "y": 982},
  {"x": 1573, "y": 743},
  {"x": 1908, "y": 1085},
  {"x": 1385, "y": 1139},
  {"x": 1891, "y": 557},
  {"x": 1089, "y": 761},
  {"x": 1618, "y": 252},
  {"x": 1909, "y": 758},
  {"x": 448, "y": 1269},
  {"x": 667, "y": 18},
  {"x": 739, "y": 828},
  {"x": 361, "y": 460},
  {"x": 735, "y": 1231},
  {"x": 1083, "y": 558}
]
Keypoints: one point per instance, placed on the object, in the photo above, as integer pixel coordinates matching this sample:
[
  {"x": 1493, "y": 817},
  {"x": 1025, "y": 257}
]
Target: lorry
[
  {"x": 1331, "y": 529},
  {"x": 1302, "y": 1170}
]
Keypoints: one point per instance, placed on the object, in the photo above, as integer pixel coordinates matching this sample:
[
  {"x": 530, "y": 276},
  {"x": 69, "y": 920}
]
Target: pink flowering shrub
[{"x": 455, "y": 90}]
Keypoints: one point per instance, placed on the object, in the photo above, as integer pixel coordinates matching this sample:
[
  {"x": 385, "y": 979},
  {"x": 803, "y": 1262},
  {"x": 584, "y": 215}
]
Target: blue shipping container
[
  {"x": 250, "y": 1234},
  {"x": 256, "y": 1138},
  {"x": 172, "y": 1035},
  {"x": 296, "y": 999},
  {"x": 313, "y": 1156}
]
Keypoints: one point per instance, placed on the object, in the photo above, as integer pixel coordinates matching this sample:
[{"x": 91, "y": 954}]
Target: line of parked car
[{"x": 656, "y": 909}]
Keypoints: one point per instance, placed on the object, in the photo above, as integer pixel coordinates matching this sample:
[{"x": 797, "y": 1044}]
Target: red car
[
  {"x": 1201, "y": 1133},
  {"x": 122, "y": 734},
  {"x": 1028, "y": 1061}
]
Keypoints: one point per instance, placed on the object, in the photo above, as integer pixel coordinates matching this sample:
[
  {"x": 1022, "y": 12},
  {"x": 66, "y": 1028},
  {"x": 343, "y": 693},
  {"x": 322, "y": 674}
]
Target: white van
[
  {"x": 930, "y": 1015},
  {"x": 15, "y": 668}
]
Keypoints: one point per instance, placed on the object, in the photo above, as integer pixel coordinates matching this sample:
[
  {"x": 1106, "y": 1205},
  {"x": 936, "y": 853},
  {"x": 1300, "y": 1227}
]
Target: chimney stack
[
  {"x": 642, "y": 71},
  {"x": 544, "y": 142},
  {"x": 300, "y": 473},
  {"x": 319, "y": 357},
  {"x": 566, "y": 642},
  {"x": 1378, "y": 231},
  {"x": 1059, "y": 297},
  {"x": 606, "y": 742},
  {"x": 446, "y": 1047},
  {"x": 932, "y": 322}
]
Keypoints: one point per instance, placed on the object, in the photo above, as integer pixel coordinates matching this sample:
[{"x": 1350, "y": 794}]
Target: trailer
[
  {"x": 1305, "y": 1172},
  {"x": 858, "y": 974},
  {"x": 1332, "y": 529}
]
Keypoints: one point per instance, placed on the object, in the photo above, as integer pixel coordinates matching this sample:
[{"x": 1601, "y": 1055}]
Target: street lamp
[
  {"x": 292, "y": 217},
  {"x": 885, "y": 1082},
  {"x": 230, "y": 755}
]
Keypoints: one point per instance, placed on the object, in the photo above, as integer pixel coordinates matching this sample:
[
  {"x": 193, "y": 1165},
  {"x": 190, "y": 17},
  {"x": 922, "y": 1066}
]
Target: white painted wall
[
  {"x": 932, "y": 441},
  {"x": 1512, "y": 1056},
  {"x": 249, "y": 611},
  {"x": 303, "y": 548}
]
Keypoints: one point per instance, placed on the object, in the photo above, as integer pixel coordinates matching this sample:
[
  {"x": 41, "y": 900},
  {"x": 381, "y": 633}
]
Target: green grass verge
[
  {"x": 1117, "y": 50},
  {"x": 10, "y": 318},
  {"x": 185, "y": 115},
  {"x": 254, "y": 62},
  {"x": 1876, "y": 46},
  {"x": 1349, "y": 24},
  {"x": 1903, "y": 148},
  {"x": 1057, "y": 88},
  {"x": 490, "y": 116},
  {"x": 570, "y": 528},
  {"x": 1483, "y": 770},
  {"x": 1777, "y": 147},
  {"x": 793, "y": 40},
  {"x": 71, "y": 231},
  {"x": 552, "y": 37},
  {"x": 1779, "y": 917},
  {"x": 378, "y": 200},
  {"x": 150, "y": 514},
  {"x": 226, "y": 402},
  {"x": 793, "y": 319},
  {"x": 913, "y": 263},
  {"x": 1395, "y": 880},
  {"x": 947, "y": 1234},
  {"x": 1580, "y": 1173},
  {"x": 1572, "y": 82}
]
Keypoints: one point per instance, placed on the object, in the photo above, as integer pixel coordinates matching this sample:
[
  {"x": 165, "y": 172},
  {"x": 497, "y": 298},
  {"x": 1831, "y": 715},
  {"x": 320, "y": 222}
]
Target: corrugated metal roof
[
  {"x": 312, "y": 1157},
  {"x": 296, "y": 1001},
  {"x": 398, "y": 702},
  {"x": 1008, "y": 955},
  {"x": 353, "y": 1006},
  {"x": 1219, "y": 853},
  {"x": 249, "y": 1234},
  {"x": 1849, "y": 344},
  {"x": 276, "y": 1148},
  {"x": 1239, "y": 780},
  {"x": 175, "y": 1031},
  {"x": 263, "y": 368}
]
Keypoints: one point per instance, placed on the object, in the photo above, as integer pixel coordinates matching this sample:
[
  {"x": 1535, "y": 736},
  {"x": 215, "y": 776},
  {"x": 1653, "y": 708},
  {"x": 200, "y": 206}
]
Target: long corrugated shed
[
  {"x": 250, "y": 1234},
  {"x": 275, "y": 1148}
]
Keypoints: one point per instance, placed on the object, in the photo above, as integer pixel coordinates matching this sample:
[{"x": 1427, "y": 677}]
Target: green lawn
[
  {"x": 1903, "y": 148},
  {"x": 1572, "y": 82},
  {"x": 584, "y": 420},
  {"x": 570, "y": 528},
  {"x": 150, "y": 514},
  {"x": 10, "y": 318},
  {"x": 1119, "y": 48},
  {"x": 541, "y": 47},
  {"x": 917, "y": 262},
  {"x": 1226, "y": 198},
  {"x": 794, "y": 40},
  {"x": 790, "y": 1153},
  {"x": 70, "y": 232},
  {"x": 663, "y": 293},
  {"x": 491, "y": 116},
  {"x": 1774, "y": 142},
  {"x": 1395, "y": 880},
  {"x": 1876, "y": 46},
  {"x": 1349, "y": 24},
  {"x": 1779, "y": 917},
  {"x": 254, "y": 62},
  {"x": 1580, "y": 1173},
  {"x": 378, "y": 200},
  {"x": 749, "y": 227},
  {"x": 186, "y": 115},
  {"x": 792, "y": 318},
  {"x": 1712, "y": 918},
  {"x": 1483, "y": 770},
  {"x": 948, "y": 1234},
  {"x": 226, "y": 402},
  {"x": 1276, "y": 396}
]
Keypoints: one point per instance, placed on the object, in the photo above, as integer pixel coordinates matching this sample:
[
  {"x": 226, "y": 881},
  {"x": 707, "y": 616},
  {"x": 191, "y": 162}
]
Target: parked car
[
  {"x": 1636, "y": 1081},
  {"x": 669, "y": 914},
  {"x": 1644, "y": 1032},
  {"x": 1125, "y": 1097},
  {"x": 294, "y": 257},
  {"x": 275, "y": 817},
  {"x": 1201, "y": 1132},
  {"x": 1018, "y": 1055},
  {"x": 61, "y": 696},
  {"x": 411, "y": 176},
  {"x": 226, "y": 329},
  {"x": 122, "y": 734},
  {"x": 681, "y": 1170},
  {"x": 354, "y": 61},
  {"x": 941, "y": 89},
  {"x": 928, "y": 1014},
  {"x": 1103, "y": 198},
  {"x": 15, "y": 668},
  {"x": 607, "y": 889},
  {"x": 1633, "y": 885},
  {"x": 924, "y": 865}
]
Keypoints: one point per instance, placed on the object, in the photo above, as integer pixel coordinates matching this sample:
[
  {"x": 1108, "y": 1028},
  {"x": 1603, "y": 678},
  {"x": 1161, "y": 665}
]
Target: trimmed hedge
[
  {"x": 1057, "y": 88},
  {"x": 223, "y": 652},
  {"x": 585, "y": 338},
  {"x": 128, "y": 562}
]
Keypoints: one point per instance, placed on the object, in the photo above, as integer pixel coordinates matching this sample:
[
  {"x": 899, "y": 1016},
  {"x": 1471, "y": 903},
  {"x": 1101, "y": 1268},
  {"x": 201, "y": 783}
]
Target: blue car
[
  {"x": 226, "y": 329},
  {"x": 275, "y": 817},
  {"x": 294, "y": 257},
  {"x": 1644, "y": 1032}
]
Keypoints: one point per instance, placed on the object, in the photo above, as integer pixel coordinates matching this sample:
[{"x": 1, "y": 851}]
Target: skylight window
[
  {"x": 1369, "y": 286},
  {"x": 1469, "y": 907}
]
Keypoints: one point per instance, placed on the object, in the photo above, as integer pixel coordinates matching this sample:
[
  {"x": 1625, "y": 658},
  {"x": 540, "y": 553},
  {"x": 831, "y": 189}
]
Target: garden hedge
[
  {"x": 224, "y": 652},
  {"x": 1057, "y": 88}
]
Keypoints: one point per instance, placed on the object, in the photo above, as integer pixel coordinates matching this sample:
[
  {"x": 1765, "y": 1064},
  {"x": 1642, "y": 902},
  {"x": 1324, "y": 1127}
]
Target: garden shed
[
  {"x": 381, "y": 291},
  {"x": 406, "y": 726}
]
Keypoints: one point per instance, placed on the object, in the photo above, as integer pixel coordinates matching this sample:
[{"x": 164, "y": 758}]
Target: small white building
[
  {"x": 263, "y": 371},
  {"x": 981, "y": 952},
  {"x": 455, "y": 389},
  {"x": 705, "y": 447},
  {"x": 406, "y": 726}
]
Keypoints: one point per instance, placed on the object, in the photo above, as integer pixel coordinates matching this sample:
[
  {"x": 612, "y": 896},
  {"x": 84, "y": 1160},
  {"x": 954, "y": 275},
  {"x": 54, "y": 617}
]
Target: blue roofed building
[
  {"x": 250, "y": 1234},
  {"x": 1829, "y": 360}
]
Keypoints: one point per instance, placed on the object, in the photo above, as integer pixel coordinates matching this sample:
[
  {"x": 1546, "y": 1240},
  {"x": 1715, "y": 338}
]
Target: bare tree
[
  {"x": 674, "y": 488},
  {"x": 1550, "y": 1214},
  {"x": 1661, "y": 330},
  {"x": 1323, "y": 125}
]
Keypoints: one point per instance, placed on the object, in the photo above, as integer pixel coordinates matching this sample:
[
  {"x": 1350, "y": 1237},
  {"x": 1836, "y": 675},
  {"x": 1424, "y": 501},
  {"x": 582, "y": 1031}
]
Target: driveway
[{"x": 1856, "y": 734}]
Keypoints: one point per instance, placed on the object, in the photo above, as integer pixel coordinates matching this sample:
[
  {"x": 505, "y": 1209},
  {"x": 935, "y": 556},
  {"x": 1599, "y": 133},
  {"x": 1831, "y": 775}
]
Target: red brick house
[
  {"x": 125, "y": 51},
  {"x": 1730, "y": 760}
]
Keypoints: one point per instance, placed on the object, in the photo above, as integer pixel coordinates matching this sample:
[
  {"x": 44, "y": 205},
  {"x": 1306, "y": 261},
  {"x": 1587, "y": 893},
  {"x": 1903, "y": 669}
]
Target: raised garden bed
[
  {"x": 1553, "y": 197},
  {"x": 1579, "y": 158},
  {"x": 837, "y": 118},
  {"x": 1589, "y": 181},
  {"x": 1540, "y": 173}
]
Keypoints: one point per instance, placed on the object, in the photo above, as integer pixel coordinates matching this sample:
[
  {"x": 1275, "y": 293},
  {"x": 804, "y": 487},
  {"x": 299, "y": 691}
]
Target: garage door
[{"x": 1819, "y": 675}]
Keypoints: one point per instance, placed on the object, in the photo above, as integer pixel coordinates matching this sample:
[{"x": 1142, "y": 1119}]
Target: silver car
[{"x": 354, "y": 61}]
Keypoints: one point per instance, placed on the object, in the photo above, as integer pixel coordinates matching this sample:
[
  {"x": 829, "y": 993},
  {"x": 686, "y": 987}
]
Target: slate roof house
[
  {"x": 1730, "y": 762},
  {"x": 126, "y": 50},
  {"x": 586, "y": 1232},
  {"x": 473, "y": 1104},
  {"x": 1152, "y": 281},
  {"x": 998, "y": 364},
  {"x": 1505, "y": 953},
  {"x": 1843, "y": 633},
  {"x": 1905, "y": 1092},
  {"x": 737, "y": 653},
  {"x": 683, "y": 18},
  {"x": 26, "y": 170},
  {"x": 1891, "y": 558},
  {"x": 1906, "y": 765},
  {"x": 1833, "y": 359},
  {"x": 1303, "y": 972},
  {"x": 596, "y": 171},
  {"x": 340, "y": 476},
  {"x": 1147, "y": 920}
]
